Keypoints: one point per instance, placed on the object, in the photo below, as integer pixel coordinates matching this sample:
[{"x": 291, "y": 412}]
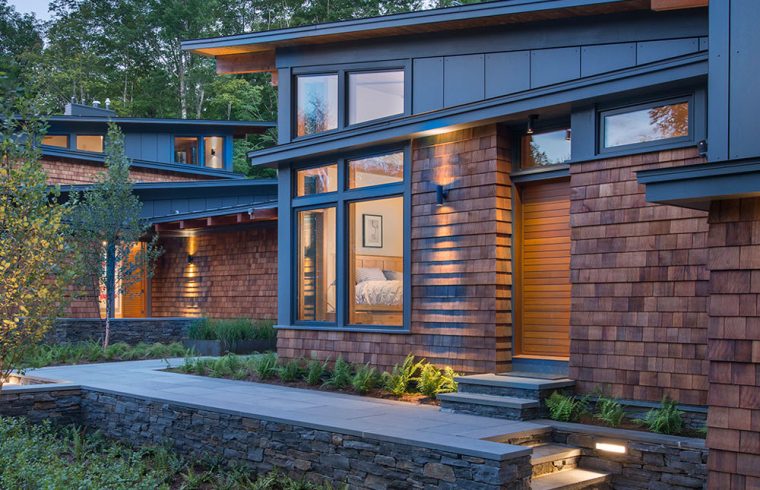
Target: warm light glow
[{"x": 610, "y": 448}]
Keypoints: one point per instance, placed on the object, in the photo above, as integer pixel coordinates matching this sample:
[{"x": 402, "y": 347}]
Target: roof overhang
[
  {"x": 697, "y": 186},
  {"x": 217, "y": 218},
  {"x": 237, "y": 128}
]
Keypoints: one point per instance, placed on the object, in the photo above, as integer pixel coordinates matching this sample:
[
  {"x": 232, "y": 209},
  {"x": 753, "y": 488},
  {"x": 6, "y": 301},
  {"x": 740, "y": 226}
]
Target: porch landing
[{"x": 372, "y": 418}]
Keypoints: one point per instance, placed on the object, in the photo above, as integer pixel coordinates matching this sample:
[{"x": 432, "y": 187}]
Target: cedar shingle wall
[
  {"x": 640, "y": 284},
  {"x": 71, "y": 172},
  {"x": 734, "y": 345},
  {"x": 461, "y": 270},
  {"x": 233, "y": 275}
]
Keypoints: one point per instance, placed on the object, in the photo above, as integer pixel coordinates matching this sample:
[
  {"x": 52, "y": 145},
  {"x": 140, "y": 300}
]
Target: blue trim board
[
  {"x": 696, "y": 186},
  {"x": 241, "y": 126},
  {"x": 211, "y": 212},
  {"x": 685, "y": 69},
  {"x": 204, "y": 188}
]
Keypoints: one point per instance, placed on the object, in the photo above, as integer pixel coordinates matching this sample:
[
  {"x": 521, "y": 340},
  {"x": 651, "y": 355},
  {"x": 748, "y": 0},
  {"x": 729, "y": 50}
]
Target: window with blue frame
[
  {"x": 646, "y": 125},
  {"x": 350, "y": 242},
  {"x": 186, "y": 150},
  {"x": 57, "y": 140}
]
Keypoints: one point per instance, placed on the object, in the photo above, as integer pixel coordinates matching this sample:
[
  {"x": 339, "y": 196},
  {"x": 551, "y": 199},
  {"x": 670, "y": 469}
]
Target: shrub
[
  {"x": 315, "y": 371},
  {"x": 364, "y": 379},
  {"x": 265, "y": 365},
  {"x": 341, "y": 375},
  {"x": 291, "y": 371},
  {"x": 609, "y": 411},
  {"x": 665, "y": 420},
  {"x": 565, "y": 408},
  {"x": 230, "y": 331},
  {"x": 433, "y": 381},
  {"x": 399, "y": 379}
]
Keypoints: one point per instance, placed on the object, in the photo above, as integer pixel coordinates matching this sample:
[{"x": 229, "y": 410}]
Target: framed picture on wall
[{"x": 372, "y": 231}]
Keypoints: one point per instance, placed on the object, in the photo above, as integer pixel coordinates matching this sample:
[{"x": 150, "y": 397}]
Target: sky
[{"x": 38, "y": 7}]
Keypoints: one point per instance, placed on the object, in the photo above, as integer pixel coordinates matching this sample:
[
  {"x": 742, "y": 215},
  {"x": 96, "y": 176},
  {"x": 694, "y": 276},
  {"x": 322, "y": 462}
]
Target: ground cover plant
[
  {"x": 45, "y": 457},
  {"x": 411, "y": 380},
  {"x": 42, "y": 355},
  {"x": 232, "y": 330}
]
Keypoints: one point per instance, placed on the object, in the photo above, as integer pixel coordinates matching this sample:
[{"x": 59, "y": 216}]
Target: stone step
[
  {"x": 504, "y": 407},
  {"x": 551, "y": 458},
  {"x": 505, "y": 385},
  {"x": 574, "y": 479}
]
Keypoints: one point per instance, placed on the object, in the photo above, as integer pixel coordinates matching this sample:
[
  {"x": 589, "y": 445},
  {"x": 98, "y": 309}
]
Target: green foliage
[
  {"x": 399, "y": 380},
  {"x": 265, "y": 365},
  {"x": 230, "y": 331},
  {"x": 565, "y": 408},
  {"x": 364, "y": 379},
  {"x": 433, "y": 381},
  {"x": 42, "y": 456},
  {"x": 315, "y": 371},
  {"x": 341, "y": 375},
  {"x": 667, "y": 419},
  {"x": 290, "y": 371},
  {"x": 90, "y": 351},
  {"x": 609, "y": 411}
]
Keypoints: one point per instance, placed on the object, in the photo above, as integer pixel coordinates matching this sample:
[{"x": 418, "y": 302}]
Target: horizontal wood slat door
[{"x": 543, "y": 328}]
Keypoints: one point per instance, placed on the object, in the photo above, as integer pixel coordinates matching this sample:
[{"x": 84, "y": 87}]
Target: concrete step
[
  {"x": 575, "y": 479},
  {"x": 551, "y": 458},
  {"x": 505, "y": 385},
  {"x": 504, "y": 407}
]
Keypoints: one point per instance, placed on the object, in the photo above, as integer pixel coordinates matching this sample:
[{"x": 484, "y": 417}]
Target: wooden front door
[
  {"x": 134, "y": 299},
  {"x": 543, "y": 270}
]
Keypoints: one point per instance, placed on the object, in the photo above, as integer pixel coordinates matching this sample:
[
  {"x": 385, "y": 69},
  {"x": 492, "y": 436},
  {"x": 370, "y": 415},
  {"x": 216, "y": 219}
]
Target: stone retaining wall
[
  {"x": 318, "y": 455},
  {"x": 651, "y": 461},
  {"x": 129, "y": 330},
  {"x": 60, "y": 404}
]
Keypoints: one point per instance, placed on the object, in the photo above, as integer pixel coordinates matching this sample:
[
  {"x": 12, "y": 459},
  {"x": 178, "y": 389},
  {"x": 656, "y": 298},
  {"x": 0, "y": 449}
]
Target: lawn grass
[
  {"x": 45, "y": 457},
  {"x": 90, "y": 351}
]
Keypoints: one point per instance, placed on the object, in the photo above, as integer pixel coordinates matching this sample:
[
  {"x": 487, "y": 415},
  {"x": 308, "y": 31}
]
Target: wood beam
[
  {"x": 246, "y": 63},
  {"x": 159, "y": 227},
  {"x": 264, "y": 214},
  {"x": 660, "y": 5}
]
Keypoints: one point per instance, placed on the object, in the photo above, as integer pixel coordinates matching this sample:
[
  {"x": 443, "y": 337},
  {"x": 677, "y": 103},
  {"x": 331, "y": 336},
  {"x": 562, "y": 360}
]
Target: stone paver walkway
[{"x": 385, "y": 419}]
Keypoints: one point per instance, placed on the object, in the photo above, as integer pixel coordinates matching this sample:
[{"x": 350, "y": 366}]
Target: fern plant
[
  {"x": 564, "y": 408},
  {"x": 315, "y": 371},
  {"x": 341, "y": 375},
  {"x": 433, "y": 381},
  {"x": 665, "y": 420},
  {"x": 364, "y": 379},
  {"x": 609, "y": 411},
  {"x": 399, "y": 379}
]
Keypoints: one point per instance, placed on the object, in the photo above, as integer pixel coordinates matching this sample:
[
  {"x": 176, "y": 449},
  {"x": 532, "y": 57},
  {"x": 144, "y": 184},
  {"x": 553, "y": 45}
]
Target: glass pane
[
  {"x": 214, "y": 151},
  {"x": 316, "y": 265},
  {"x": 372, "y": 95},
  {"x": 376, "y": 267},
  {"x": 652, "y": 124},
  {"x": 317, "y": 180},
  {"x": 186, "y": 150},
  {"x": 317, "y": 104},
  {"x": 549, "y": 148},
  {"x": 382, "y": 169},
  {"x": 59, "y": 140},
  {"x": 90, "y": 143}
]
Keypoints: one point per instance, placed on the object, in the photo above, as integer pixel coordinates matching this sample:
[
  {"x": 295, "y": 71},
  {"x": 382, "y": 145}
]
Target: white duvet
[{"x": 387, "y": 293}]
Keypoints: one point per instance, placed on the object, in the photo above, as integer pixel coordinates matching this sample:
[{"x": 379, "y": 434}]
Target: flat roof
[
  {"x": 238, "y": 126},
  {"x": 502, "y": 12}
]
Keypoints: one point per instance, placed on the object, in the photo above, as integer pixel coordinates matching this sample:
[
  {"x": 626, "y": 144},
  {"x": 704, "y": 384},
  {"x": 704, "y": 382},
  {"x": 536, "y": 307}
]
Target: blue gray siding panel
[
  {"x": 550, "y": 66},
  {"x": 507, "y": 73},
  {"x": 651, "y": 51},
  {"x": 744, "y": 103},
  {"x": 463, "y": 79},
  {"x": 607, "y": 57},
  {"x": 427, "y": 93}
]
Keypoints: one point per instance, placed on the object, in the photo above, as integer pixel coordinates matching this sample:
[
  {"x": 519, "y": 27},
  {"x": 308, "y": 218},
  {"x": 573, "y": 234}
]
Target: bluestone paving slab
[{"x": 379, "y": 419}]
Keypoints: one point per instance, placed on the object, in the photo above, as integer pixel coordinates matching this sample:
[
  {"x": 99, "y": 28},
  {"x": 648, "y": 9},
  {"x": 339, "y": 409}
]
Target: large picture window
[
  {"x": 374, "y": 95},
  {"x": 349, "y": 268},
  {"x": 317, "y": 104},
  {"x": 647, "y": 124}
]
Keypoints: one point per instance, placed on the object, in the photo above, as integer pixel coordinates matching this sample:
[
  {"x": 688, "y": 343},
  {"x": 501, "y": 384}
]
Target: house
[
  {"x": 527, "y": 185},
  {"x": 216, "y": 228}
]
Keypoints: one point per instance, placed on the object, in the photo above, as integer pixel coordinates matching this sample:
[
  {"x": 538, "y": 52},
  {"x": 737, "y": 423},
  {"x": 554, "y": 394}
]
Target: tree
[
  {"x": 107, "y": 227},
  {"x": 19, "y": 34},
  {"x": 34, "y": 250}
]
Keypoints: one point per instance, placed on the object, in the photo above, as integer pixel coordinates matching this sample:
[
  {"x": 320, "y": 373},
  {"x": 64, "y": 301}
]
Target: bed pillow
[
  {"x": 394, "y": 275},
  {"x": 369, "y": 274}
]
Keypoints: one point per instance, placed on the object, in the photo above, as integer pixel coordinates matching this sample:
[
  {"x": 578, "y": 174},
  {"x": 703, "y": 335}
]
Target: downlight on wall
[{"x": 609, "y": 447}]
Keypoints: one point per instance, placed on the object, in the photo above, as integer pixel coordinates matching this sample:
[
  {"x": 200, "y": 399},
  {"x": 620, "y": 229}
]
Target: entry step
[
  {"x": 575, "y": 479},
  {"x": 506, "y": 407},
  {"x": 505, "y": 385},
  {"x": 551, "y": 458}
]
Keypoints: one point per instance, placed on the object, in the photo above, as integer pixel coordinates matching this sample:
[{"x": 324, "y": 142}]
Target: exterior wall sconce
[
  {"x": 531, "y": 121},
  {"x": 441, "y": 195},
  {"x": 190, "y": 259},
  {"x": 568, "y": 134}
]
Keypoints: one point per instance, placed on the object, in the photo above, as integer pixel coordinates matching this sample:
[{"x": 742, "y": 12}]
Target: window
[
  {"x": 213, "y": 151},
  {"x": 545, "y": 148},
  {"x": 317, "y": 180},
  {"x": 376, "y": 262},
  {"x": 652, "y": 123},
  {"x": 374, "y": 95},
  {"x": 317, "y": 104},
  {"x": 59, "y": 140},
  {"x": 92, "y": 143},
  {"x": 350, "y": 243},
  {"x": 383, "y": 169},
  {"x": 186, "y": 150},
  {"x": 316, "y": 264}
]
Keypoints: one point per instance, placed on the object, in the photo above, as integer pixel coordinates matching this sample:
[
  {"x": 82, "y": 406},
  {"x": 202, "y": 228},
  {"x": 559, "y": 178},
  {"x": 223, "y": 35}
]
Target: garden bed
[{"x": 89, "y": 352}]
